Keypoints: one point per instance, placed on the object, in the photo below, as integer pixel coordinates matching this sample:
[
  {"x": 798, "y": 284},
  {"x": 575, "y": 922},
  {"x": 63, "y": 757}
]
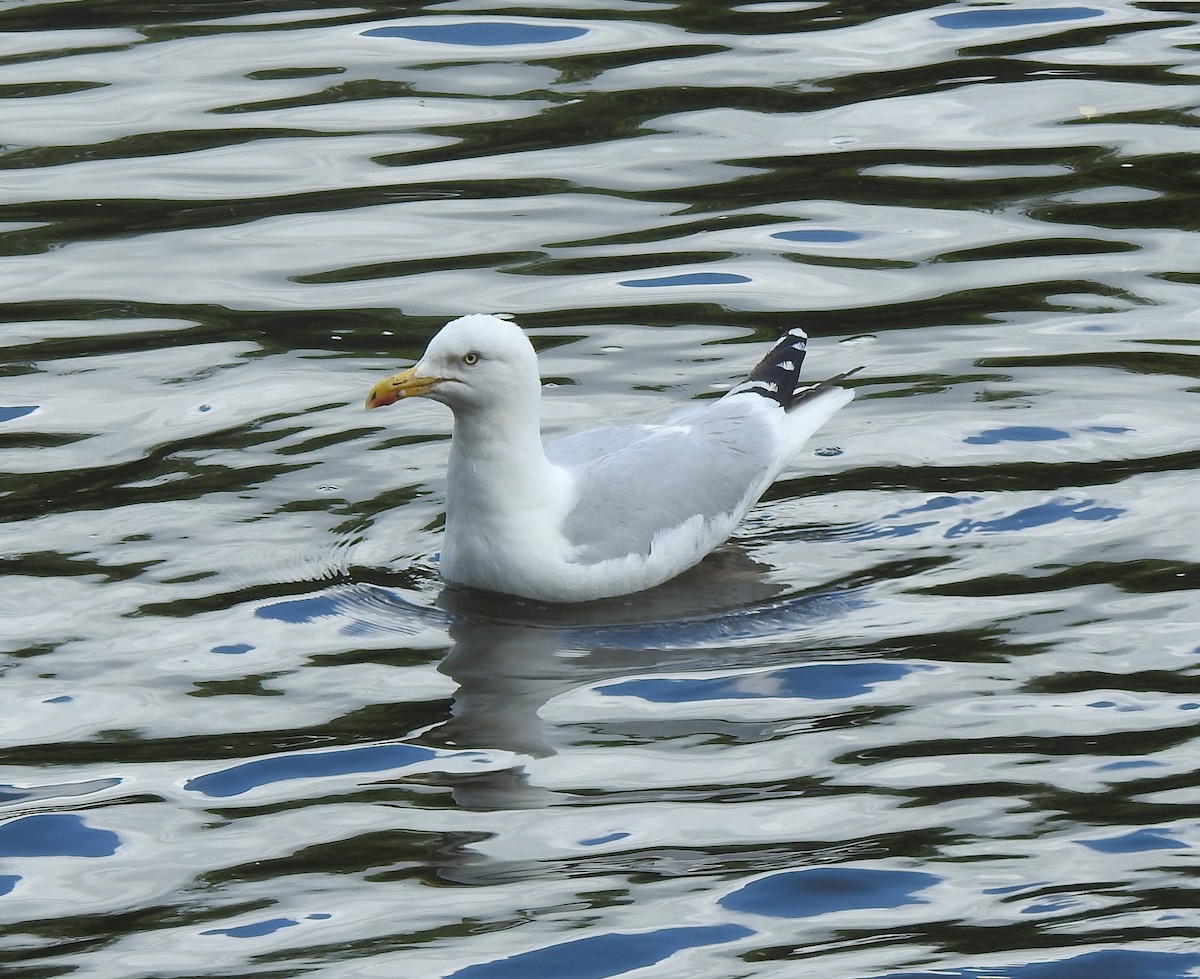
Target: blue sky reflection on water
[
  {"x": 56, "y": 835},
  {"x": 824, "y": 681},
  {"x": 687, "y": 279},
  {"x": 1013, "y": 16},
  {"x": 263, "y": 771},
  {"x": 484, "y": 33},
  {"x": 825, "y": 235},
  {"x": 601, "y": 956},
  {"x": 827, "y": 890}
]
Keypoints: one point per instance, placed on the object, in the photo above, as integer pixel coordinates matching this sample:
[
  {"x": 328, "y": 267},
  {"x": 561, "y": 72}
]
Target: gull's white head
[{"x": 474, "y": 362}]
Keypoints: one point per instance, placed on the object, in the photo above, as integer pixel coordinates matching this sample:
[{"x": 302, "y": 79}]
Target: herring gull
[{"x": 606, "y": 511}]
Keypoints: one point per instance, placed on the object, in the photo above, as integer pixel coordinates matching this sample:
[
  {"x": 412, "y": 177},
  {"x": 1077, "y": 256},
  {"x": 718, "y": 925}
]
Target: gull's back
[{"x": 708, "y": 463}]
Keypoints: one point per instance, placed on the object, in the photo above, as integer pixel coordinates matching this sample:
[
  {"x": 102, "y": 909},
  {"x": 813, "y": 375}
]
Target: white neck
[
  {"x": 495, "y": 466},
  {"x": 504, "y": 499}
]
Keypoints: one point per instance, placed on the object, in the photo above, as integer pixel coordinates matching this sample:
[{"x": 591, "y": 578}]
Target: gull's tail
[{"x": 777, "y": 375}]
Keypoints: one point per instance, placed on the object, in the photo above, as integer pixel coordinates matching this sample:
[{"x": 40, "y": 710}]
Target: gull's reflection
[{"x": 510, "y": 657}]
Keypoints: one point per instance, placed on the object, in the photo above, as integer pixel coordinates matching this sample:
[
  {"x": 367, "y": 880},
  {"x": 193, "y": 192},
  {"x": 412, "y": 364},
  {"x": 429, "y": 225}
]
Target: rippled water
[{"x": 933, "y": 711}]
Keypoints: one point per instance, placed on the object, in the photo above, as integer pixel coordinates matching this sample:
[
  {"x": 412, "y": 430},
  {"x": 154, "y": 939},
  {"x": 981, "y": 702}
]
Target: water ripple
[{"x": 934, "y": 709}]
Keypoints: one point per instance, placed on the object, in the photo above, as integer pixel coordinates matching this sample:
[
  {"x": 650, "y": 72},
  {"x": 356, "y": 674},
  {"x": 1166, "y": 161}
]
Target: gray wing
[
  {"x": 594, "y": 443},
  {"x": 635, "y": 481}
]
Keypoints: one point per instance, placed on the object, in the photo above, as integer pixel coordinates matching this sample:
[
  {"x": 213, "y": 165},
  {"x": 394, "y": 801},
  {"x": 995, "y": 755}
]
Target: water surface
[{"x": 934, "y": 709}]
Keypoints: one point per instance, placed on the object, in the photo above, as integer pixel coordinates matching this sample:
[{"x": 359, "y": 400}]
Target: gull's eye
[{"x": 470, "y": 359}]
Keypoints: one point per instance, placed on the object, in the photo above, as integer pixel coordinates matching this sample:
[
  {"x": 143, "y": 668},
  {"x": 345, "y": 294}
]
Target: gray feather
[{"x": 707, "y": 463}]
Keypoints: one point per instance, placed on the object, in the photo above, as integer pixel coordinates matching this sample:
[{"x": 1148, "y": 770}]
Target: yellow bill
[{"x": 406, "y": 384}]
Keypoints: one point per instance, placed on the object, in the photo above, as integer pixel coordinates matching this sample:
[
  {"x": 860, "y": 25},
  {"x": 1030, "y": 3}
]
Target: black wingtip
[
  {"x": 845, "y": 374},
  {"x": 777, "y": 374},
  {"x": 813, "y": 390}
]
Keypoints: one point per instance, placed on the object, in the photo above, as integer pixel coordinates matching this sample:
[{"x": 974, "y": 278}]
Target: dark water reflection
[
  {"x": 933, "y": 712},
  {"x": 510, "y": 659}
]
